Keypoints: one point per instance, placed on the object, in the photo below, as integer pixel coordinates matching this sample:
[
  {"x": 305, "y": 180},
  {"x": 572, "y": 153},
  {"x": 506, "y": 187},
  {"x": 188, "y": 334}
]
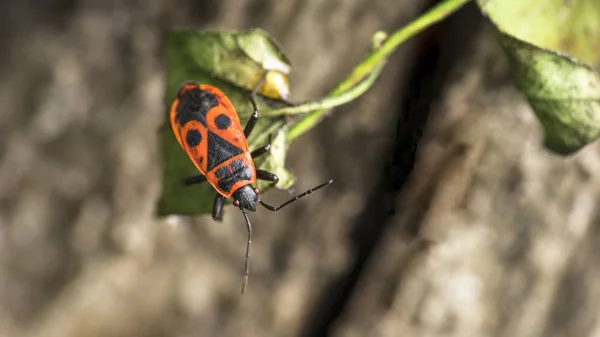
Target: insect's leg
[
  {"x": 262, "y": 150},
  {"x": 194, "y": 180},
  {"x": 252, "y": 121},
  {"x": 254, "y": 117},
  {"x": 247, "y": 262},
  {"x": 266, "y": 175},
  {"x": 217, "y": 212}
]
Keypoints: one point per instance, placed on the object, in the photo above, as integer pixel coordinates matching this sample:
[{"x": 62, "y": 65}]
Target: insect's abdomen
[{"x": 232, "y": 174}]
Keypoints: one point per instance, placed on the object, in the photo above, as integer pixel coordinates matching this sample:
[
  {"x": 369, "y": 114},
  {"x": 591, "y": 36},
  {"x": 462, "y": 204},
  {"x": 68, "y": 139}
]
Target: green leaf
[
  {"x": 237, "y": 57},
  {"x": 275, "y": 163},
  {"x": 233, "y": 62},
  {"x": 564, "y": 94},
  {"x": 541, "y": 39}
]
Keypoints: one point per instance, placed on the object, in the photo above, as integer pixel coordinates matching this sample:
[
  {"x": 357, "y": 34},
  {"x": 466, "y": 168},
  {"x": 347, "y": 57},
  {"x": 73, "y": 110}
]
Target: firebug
[{"x": 208, "y": 129}]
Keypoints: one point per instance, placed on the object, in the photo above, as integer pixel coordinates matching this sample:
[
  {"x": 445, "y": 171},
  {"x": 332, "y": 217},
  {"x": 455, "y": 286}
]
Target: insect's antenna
[
  {"x": 247, "y": 263},
  {"x": 275, "y": 209}
]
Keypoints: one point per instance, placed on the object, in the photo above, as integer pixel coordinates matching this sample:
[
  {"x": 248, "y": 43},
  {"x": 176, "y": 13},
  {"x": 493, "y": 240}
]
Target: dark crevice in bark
[{"x": 439, "y": 50}]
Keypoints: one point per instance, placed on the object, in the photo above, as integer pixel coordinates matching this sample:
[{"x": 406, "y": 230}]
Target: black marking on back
[
  {"x": 219, "y": 150},
  {"x": 236, "y": 171},
  {"x": 193, "y": 137},
  {"x": 222, "y": 172},
  {"x": 222, "y": 121},
  {"x": 194, "y": 104},
  {"x": 236, "y": 165}
]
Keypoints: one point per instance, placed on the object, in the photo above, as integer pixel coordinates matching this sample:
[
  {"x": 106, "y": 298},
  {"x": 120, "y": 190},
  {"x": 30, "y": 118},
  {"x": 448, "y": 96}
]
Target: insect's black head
[{"x": 246, "y": 197}]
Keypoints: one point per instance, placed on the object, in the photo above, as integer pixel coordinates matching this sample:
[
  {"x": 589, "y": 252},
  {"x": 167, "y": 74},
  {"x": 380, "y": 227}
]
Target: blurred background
[{"x": 447, "y": 216}]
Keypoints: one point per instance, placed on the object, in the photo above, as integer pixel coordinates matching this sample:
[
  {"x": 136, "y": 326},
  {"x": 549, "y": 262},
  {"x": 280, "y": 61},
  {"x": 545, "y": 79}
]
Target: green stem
[
  {"x": 379, "y": 56},
  {"x": 330, "y": 101}
]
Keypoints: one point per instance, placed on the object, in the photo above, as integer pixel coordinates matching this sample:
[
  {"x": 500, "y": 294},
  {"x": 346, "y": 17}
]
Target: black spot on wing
[
  {"x": 225, "y": 184},
  {"x": 193, "y": 137},
  {"x": 222, "y": 121},
  {"x": 219, "y": 150},
  {"x": 194, "y": 104}
]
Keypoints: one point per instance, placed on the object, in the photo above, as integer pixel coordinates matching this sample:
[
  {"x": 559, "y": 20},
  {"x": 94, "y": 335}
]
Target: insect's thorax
[{"x": 232, "y": 174}]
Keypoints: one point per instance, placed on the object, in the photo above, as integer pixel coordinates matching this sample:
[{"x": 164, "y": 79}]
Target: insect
[{"x": 208, "y": 129}]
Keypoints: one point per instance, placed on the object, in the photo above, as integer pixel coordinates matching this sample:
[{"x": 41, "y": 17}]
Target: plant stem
[
  {"x": 330, "y": 101},
  {"x": 378, "y": 56}
]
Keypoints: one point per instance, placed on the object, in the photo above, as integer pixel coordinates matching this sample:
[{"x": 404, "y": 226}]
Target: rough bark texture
[
  {"x": 490, "y": 236},
  {"x": 508, "y": 232}
]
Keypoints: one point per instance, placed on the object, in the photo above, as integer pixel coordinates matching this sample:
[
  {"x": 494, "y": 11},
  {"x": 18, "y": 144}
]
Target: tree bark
[{"x": 488, "y": 234}]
